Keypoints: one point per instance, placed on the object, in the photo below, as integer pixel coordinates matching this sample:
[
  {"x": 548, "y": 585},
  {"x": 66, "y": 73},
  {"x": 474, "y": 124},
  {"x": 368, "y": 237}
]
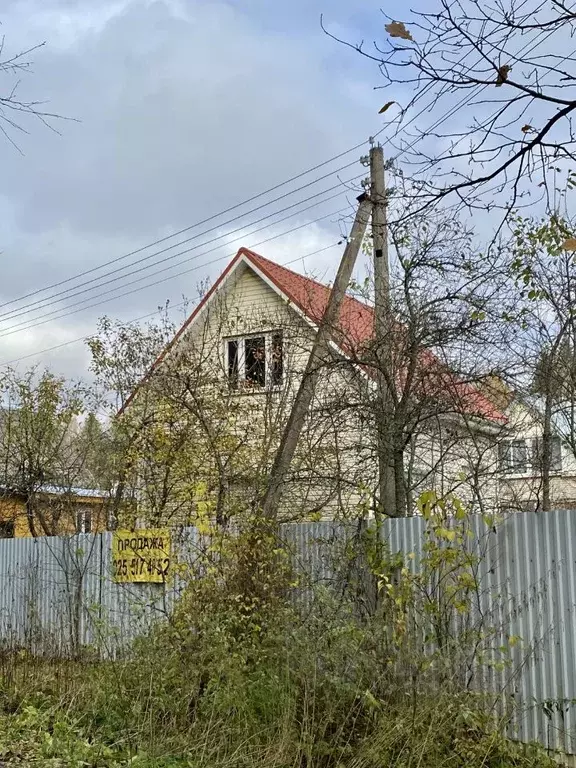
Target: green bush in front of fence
[{"x": 243, "y": 677}]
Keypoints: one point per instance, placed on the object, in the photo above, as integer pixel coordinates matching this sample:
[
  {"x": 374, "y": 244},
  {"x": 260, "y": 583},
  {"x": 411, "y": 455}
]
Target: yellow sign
[{"x": 141, "y": 555}]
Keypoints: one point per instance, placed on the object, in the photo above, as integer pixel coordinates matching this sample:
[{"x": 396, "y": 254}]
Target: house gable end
[
  {"x": 242, "y": 285},
  {"x": 292, "y": 296}
]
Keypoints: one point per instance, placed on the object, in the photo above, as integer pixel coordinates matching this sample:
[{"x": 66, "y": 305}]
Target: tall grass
[{"x": 241, "y": 676}]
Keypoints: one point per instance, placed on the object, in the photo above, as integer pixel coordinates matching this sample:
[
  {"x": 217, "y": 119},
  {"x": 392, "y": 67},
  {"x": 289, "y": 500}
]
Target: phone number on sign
[{"x": 139, "y": 566}]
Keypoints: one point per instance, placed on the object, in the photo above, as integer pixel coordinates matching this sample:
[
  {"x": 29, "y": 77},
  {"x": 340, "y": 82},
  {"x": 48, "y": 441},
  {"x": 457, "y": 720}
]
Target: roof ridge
[
  {"x": 324, "y": 286},
  {"x": 308, "y": 295}
]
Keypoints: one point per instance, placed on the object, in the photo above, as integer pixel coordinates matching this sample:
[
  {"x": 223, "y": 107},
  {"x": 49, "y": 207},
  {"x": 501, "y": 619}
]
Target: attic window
[{"x": 255, "y": 361}]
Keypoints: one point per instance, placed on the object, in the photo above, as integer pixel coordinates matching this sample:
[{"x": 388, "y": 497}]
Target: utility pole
[
  {"x": 383, "y": 332},
  {"x": 318, "y": 355}
]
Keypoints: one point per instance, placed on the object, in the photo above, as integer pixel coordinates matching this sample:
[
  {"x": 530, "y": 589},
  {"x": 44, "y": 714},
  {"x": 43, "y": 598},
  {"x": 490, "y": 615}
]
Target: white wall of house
[
  {"x": 521, "y": 482},
  {"x": 488, "y": 466},
  {"x": 336, "y": 465},
  {"x": 332, "y": 464}
]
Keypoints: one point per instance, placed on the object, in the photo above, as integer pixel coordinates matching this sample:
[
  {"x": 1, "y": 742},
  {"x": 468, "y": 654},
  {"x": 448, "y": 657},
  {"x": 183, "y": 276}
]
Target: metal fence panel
[
  {"x": 58, "y": 595},
  {"x": 526, "y": 588}
]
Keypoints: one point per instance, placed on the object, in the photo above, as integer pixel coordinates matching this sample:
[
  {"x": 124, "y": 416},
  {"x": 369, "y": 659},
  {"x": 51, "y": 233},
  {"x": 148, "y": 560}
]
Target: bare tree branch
[{"x": 517, "y": 57}]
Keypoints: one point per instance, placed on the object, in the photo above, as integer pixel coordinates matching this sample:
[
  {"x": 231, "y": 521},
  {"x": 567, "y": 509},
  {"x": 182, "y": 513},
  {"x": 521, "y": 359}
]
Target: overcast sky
[
  {"x": 183, "y": 108},
  {"x": 180, "y": 109}
]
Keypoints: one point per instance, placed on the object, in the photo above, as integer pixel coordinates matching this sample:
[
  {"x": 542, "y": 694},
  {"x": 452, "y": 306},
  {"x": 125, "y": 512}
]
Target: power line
[
  {"x": 180, "y": 304},
  {"x": 199, "y": 223},
  {"x": 155, "y": 312},
  {"x": 14, "y": 313},
  {"x": 26, "y": 325},
  {"x": 55, "y": 316},
  {"x": 41, "y": 304},
  {"x": 73, "y": 341},
  {"x": 202, "y": 221},
  {"x": 234, "y": 207},
  {"x": 47, "y": 301},
  {"x": 168, "y": 248}
]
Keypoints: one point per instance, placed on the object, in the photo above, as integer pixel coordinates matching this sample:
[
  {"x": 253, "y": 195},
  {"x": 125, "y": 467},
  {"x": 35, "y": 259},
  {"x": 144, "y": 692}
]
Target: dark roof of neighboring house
[{"x": 355, "y": 327}]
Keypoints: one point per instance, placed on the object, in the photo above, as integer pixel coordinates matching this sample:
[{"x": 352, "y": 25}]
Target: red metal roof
[
  {"x": 356, "y": 322},
  {"x": 355, "y": 328}
]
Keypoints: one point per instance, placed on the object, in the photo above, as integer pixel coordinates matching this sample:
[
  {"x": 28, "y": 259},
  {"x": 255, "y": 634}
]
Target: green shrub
[{"x": 240, "y": 677}]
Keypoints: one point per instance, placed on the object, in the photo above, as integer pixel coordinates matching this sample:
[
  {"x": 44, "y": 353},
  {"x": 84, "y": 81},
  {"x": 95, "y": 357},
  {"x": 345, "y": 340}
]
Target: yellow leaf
[
  {"x": 570, "y": 244},
  {"x": 459, "y": 512},
  {"x": 398, "y": 29},
  {"x": 503, "y": 72},
  {"x": 371, "y": 700},
  {"x": 386, "y": 107}
]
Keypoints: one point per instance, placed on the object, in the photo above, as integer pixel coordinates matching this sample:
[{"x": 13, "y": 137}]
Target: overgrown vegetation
[
  {"x": 245, "y": 674},
  {"x": 387, "y": 667}
]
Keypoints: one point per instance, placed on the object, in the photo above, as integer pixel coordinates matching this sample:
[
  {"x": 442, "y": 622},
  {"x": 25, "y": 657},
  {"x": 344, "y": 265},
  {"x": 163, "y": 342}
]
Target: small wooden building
[{"x": 53, "y": 511}]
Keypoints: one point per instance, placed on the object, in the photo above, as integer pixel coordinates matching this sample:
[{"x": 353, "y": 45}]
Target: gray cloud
[
  {"x": 184, "y": 108},
  {"x": 181, "y": 115}
]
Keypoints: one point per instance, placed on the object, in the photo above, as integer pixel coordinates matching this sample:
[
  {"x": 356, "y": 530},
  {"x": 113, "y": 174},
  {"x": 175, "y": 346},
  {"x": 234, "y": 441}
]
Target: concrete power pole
[
  {"x": 320, "y": 350},
  {"x": 383, "y": 332}
]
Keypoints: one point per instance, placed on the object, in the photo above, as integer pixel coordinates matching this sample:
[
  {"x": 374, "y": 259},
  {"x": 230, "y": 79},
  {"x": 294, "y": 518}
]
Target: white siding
[
  {"x": 523, "y": 491},
  {"x": 335, "y": 467}
]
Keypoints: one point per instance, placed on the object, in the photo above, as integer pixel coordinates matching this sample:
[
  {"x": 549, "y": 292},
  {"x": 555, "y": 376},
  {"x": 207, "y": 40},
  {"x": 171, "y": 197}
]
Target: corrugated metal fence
[
  {"x": 57, "y": 596},
  {"x": 526, "y": 587}
]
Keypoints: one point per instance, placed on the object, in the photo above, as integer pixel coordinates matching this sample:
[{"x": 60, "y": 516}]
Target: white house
[
  {"x": 520, "y": 460},
  {"x": 251, "y": 336}
]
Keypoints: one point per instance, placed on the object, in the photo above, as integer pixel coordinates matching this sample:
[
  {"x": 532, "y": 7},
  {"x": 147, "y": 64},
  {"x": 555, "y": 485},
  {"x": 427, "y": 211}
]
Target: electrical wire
[
  {"x": 207, "y": 220},
  {"x": 155, "y": 312},
  {"x": 55, "y": 316},
  {"x": 47, "y": 301},
  {"x": 150, "y": 314},
  {"x": 164, "y": 250},
  {"x": 58, "y": 314},
  {"x": 70, "y": 293},
  {"x": 242, "y": 203},
  {"x": 42, "y": 319}
]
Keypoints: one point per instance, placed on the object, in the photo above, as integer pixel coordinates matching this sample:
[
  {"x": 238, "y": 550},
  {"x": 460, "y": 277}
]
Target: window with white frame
[
  {"x": 255, "y": 361},
  {"x": 513, "y": 456}
]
